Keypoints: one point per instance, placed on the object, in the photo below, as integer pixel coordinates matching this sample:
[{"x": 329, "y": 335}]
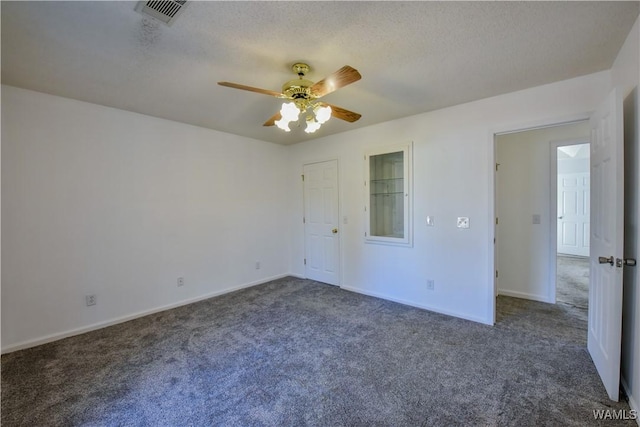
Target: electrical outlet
[
  {"x": 180, "y": 281},
  {"x": 431, "y": 284},
  {"x": 257, "y": 265},
  {"x": 90, "y": 300},
  {"x": 463, "y": 222},
  {"x": 429, "y": 221}
]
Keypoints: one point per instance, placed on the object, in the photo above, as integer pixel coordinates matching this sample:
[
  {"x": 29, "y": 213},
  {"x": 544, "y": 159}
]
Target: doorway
[
  {"x": 526, "y": 212},
  {"x": 606, "y": 239},
  {"x": 573, "y": 224}
]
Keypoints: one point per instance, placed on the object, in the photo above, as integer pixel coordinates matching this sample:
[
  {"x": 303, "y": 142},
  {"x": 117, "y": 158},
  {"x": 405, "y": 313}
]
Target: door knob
[
  {"x": 605, "y": 260},
  {"x": 334, "y": 231},
  {"x": 630, "y": 262}
]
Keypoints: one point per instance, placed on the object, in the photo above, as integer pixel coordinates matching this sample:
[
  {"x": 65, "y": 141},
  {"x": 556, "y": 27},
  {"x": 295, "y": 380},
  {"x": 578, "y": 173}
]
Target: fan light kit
[{"x": 301, "y": 98}]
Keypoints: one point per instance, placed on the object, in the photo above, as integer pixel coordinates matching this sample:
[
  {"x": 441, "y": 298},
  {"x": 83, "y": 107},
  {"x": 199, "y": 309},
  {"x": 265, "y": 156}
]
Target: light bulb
[
  {"x": 312, "y": 126},
  {"x": 322, "y": 114},
  {"x": 283, "y": 124},
  {"x": 289, "y": 111}
]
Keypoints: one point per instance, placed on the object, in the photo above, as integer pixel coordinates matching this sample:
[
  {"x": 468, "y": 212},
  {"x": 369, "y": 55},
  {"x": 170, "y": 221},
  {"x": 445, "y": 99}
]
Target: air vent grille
[{"x": 163, "y": 10}]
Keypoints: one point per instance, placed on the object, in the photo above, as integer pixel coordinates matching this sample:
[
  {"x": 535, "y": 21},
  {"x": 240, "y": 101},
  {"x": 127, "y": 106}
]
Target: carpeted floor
[
  {"x": 295, "y": 352},
  {"x": 572, "y": 283}
]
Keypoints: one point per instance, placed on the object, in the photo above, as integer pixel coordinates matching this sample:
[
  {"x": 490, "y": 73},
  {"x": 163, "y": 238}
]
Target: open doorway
[
  {"x": 573, "y": 224},
  {"x": 526, "y": 212}
]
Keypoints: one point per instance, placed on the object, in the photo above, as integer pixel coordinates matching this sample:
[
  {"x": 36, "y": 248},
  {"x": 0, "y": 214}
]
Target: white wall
[
  {"x": 453, "y": 176},
  {"x": 523, "y": 188},
  {"x": 102, "y": 201},
  {"x": 626, "y": 75}
]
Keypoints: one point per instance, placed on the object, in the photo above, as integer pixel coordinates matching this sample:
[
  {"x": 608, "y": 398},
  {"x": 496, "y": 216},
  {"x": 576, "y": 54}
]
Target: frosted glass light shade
[
  {"x": 283, "y": 124},
  {"x": 289, "y": 112},
  {"x": 323, "y": 114},
  {"x": 312, "y": 126}
]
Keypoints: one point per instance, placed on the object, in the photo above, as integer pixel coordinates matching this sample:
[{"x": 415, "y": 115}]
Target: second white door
[
  {"x": 573, "y": 214},
  {"x": 321, "y": 222}
]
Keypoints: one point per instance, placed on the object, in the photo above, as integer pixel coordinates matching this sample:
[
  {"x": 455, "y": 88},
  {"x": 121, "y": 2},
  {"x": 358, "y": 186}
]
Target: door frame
[
  {"x": 553, "y": 212},
  {"x": 340, "y": 217},
  {"x": 493, "y": 200}
]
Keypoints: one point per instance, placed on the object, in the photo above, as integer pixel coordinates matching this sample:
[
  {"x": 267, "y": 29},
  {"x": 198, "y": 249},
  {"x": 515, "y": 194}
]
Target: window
[{"x": 388, "y": 186}]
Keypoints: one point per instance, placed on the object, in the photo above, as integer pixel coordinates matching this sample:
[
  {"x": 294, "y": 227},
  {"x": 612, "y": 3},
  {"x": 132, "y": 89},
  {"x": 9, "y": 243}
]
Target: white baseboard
[
  {"x": 633, "y": 403},
  {"x": 524, "y": 295},
  {"x": 417, "y": 305},
  {"x": 58, "y": 336}
]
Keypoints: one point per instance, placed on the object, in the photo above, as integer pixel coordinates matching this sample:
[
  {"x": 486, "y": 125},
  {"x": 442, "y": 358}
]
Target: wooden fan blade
[
  {"x": 344, "y": 76},
  {"x": 342, "y": 114},
  {"x": 252, "y": 89},
  {"x": 272, "y": 120}
]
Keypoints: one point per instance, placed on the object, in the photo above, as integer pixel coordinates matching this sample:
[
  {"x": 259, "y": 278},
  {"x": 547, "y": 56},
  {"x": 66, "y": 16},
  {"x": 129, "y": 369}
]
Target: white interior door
[
  {"x": 321, "y": 234},
  {"x": 607, "y": 209},
  {"x": 573, "y": 214}
]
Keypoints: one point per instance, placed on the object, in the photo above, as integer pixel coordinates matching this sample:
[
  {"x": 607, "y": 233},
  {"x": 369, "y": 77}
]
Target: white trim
[
  {"x": 493, "y": 232},
  {"x": 58, "y": 336},
  {"x": 464, "y": 316},
  {"x": 524, "y": 295},
  {"x": 632, "y": 400}
]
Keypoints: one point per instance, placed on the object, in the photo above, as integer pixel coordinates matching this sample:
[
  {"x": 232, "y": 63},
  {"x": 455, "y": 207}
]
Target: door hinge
[
  {"x": 496, "y": 274},
  {"x": 494, "y": 240},
  {"x": 304, "y": 220},
  {"x": 496, "y": 220},
  {"x": 497, "y": 165},
  {"x": 302, "y": 177},
  {"x": 365, "y": 234},
  {"x": 305, "y": 261}
]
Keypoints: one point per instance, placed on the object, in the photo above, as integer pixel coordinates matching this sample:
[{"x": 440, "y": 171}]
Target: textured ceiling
[{"x": 413, "y": 56}]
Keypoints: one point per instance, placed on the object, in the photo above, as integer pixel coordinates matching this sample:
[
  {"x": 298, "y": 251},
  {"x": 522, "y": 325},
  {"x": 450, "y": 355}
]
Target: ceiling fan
[{"x": 302, "y": 95}]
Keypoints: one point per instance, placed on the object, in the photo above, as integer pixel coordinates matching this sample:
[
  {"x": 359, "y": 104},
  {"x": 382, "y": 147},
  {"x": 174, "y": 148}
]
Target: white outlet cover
[
  {"x": 429, "y": 221},
  {"x": 463, "y": 222}
]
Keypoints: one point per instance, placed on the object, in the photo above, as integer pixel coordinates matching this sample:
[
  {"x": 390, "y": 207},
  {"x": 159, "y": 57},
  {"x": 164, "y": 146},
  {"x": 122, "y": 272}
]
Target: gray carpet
[
  {"x": 572, "y": 283},
  {"x": 296, "y": 352}
]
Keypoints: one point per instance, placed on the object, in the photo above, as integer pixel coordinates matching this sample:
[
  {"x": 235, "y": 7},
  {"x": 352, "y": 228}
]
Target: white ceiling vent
[{"x": 163, "y": 10}]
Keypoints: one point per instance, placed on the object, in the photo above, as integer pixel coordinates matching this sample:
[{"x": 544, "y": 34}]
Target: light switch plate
[
  {"x": 463, "y": 222},
  {"x": 430, "y": 221}
]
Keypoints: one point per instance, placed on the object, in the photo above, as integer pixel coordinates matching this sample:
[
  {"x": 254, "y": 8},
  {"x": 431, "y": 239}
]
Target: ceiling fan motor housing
[{"x": 297, "y": 89}]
